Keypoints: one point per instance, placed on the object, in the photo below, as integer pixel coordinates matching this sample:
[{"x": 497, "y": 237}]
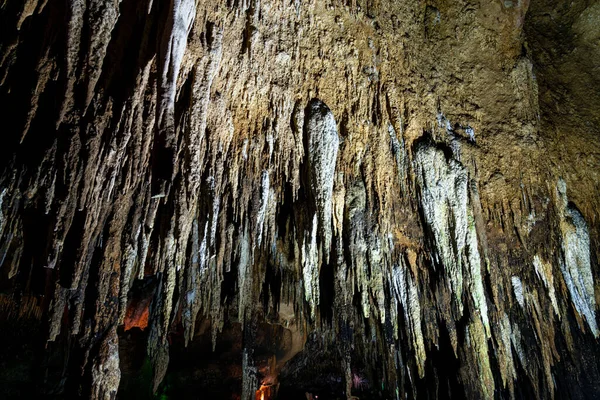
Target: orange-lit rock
[
  {"x": 137, "y": 315},
  {"x": 264, "y": 393}
]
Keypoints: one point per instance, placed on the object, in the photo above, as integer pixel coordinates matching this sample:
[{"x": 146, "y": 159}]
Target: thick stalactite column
[{"x": 322, "y": 144}]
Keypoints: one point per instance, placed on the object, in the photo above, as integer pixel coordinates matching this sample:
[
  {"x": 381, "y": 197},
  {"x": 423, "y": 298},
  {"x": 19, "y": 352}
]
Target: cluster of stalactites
[{"x": 216, "y": 207}]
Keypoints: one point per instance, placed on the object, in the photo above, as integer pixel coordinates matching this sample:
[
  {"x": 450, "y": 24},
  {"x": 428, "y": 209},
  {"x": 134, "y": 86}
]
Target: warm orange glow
[
  {"x": 137, "y": 316},
  {"x": 264, "y": 393}
]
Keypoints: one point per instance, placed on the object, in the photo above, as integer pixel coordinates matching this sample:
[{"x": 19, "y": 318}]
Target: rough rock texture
[{"x": 374, "y": 198}]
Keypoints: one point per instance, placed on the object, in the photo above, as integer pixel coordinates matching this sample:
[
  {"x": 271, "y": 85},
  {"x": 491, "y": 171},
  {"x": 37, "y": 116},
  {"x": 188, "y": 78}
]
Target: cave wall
[{"x": 413, "y": 185}]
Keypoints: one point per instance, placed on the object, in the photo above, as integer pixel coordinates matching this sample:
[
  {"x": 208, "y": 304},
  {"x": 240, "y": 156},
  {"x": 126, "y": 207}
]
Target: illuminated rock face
[{"x": 381, "y": 199}]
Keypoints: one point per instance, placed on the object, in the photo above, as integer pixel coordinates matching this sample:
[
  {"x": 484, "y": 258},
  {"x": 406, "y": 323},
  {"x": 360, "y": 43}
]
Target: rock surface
[{"x": 374, "y": 198}]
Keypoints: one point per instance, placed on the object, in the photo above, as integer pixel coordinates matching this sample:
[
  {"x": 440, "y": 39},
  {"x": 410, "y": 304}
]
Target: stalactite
[
  {"x": 576, "y": 268},
  {"x": 322, "y": 150},
  {"x": 178, "y": 21},
  {"x": 446, "y": 208},
  {"x": 106, "y": 373}
]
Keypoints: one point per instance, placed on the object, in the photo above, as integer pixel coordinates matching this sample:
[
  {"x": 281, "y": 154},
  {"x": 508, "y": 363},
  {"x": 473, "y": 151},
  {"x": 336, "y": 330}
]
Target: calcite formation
[{"x": 343, "y": 198}]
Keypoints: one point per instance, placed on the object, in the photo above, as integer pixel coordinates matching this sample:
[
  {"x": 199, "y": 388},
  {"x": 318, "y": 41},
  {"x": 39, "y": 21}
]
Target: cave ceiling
[{"x": 300, "y": 199}]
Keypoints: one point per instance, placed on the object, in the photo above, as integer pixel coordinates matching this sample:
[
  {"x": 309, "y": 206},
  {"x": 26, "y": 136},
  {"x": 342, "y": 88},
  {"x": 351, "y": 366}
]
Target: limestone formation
[{"x": 368, "y": 199}]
